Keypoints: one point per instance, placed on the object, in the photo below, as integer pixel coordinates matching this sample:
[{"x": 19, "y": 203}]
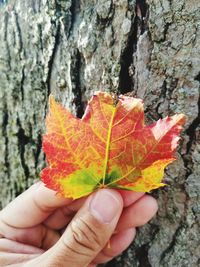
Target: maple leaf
[{"x": 109, "y": 147}]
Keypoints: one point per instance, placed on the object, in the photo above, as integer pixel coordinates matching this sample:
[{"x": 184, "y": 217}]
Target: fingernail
[{"x": 104, "y": 206}]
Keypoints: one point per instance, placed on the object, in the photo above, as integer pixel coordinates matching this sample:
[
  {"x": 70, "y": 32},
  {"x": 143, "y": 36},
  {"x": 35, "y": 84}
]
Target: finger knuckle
[{"x": 85, "y": 235}]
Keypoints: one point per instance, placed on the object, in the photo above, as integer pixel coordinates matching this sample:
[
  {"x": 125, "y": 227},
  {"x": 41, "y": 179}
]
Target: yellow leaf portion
[{"x": 149, "y": 178}]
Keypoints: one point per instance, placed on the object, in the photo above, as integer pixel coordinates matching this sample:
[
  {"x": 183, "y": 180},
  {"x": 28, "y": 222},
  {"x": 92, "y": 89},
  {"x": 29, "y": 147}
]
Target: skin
[{"x": 39, "y": 228}]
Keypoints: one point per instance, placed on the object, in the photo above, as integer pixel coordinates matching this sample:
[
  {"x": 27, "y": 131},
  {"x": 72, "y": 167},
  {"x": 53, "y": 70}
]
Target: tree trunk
[{"x": 72, "y": 48}]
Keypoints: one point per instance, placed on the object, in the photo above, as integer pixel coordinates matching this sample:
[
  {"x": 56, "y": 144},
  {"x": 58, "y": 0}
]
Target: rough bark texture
[{"x": 72, "y": 48}]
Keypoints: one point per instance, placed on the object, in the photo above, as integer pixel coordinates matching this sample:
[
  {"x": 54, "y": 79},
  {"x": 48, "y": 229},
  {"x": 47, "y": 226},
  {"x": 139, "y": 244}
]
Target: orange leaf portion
[{"x": 109, "y": 147}]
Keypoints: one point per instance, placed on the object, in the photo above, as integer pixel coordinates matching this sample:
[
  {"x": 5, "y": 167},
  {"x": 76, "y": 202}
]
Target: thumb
[{"x": 88, "y": 232}]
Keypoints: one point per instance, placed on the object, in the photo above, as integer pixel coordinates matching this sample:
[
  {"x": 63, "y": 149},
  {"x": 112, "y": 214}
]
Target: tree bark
[{"x": 72, "y": 48}]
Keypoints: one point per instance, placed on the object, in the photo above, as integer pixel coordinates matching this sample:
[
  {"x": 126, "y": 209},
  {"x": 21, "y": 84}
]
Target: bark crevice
[
  {"x": 5, "y": 38},
  {"x": 38, "y": 149},
  {"x": 6, "y": 140},
  {"x": 18, "y": 34},
  {"x": 74, "y": 11},
  {"x": 171, "y": 245},
  {"x": 125, "y": 80},
  {"x": 78, "y": 90},
  {"x": 23, "y": 140},
  {"x": 142, "y": 256},
  {"x": 22, "y": 84},
  {"x": 52, "y": 57},
  {"x": 191, "y": 131},
  {"x": 138, "y": 27}
]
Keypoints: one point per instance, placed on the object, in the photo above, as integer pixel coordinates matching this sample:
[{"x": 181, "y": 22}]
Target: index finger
[{"x": 32, "y": 207}]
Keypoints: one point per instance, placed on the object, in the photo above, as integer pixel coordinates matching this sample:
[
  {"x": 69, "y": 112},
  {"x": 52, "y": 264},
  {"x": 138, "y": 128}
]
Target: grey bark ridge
[{"x": 73, "y": 48}]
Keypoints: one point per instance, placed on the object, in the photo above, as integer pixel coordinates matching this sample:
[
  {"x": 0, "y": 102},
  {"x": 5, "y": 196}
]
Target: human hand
[{"x": 41, "y": 229}]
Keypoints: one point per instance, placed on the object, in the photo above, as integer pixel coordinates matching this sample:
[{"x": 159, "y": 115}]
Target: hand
[{"x": 41, "y": 229}]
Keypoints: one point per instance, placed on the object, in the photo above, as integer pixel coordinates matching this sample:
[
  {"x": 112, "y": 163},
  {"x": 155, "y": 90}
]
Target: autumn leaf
[{"x": 109, "y": 147}]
